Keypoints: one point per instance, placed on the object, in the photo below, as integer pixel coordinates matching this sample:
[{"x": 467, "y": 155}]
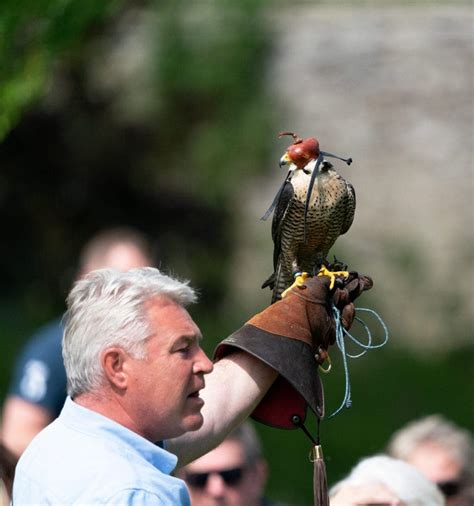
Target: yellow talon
[
  {"x": 299, "y": 281},
  {"x": 332, "y": 275}
]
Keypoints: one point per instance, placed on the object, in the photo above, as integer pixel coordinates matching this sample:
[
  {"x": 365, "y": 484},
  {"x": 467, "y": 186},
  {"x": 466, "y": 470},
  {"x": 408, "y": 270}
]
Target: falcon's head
[{"x": 303, "y": 151}]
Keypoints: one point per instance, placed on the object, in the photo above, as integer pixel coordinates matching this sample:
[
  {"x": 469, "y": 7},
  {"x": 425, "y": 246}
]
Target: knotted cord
[{"x": 341, "y": 332}]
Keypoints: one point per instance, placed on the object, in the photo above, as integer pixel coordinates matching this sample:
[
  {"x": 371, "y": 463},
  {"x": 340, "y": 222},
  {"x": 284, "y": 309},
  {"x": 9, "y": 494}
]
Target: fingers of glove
[
  {"x": 341, "y": 297},
  {"x": 366, "y": 282},
  {"x": 355, "y": 285},
  {"x": 352, "y": 282},
  {"x": 347, "y": 316}
]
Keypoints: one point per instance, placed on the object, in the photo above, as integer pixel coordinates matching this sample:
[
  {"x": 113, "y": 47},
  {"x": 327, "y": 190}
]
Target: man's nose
[
  {"x": 215, "y": 485},
  {"x": 202, "y": 364}
]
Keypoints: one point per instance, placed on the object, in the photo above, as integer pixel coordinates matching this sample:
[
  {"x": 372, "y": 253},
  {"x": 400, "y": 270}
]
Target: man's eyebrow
[{"x": 189, "y": 338}]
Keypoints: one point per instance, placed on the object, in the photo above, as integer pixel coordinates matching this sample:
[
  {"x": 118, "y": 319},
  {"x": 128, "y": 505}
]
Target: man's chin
[{"x": 193, "y": 422}]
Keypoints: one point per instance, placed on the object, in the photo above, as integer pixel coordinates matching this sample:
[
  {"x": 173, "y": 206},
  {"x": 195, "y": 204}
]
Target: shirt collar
[{"x": 91, "y": 422}]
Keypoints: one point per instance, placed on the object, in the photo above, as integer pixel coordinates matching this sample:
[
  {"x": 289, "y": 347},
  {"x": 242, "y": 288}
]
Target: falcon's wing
[
  {"x": 279, "y": 206},
  {"x": 278, "y": 218},
  {"x": 351, "y": 205}
]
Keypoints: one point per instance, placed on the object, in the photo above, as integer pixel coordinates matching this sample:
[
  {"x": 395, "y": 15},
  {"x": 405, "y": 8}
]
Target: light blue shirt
[{"x": 84, "y": 458}]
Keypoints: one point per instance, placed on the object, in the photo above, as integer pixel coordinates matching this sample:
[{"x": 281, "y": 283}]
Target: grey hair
[
  {"x": 107, "y": 308},
  {"x": 434, "y": 429},
  {"x": 247, "y": 436},
  {"x": 404, "y": 480}
]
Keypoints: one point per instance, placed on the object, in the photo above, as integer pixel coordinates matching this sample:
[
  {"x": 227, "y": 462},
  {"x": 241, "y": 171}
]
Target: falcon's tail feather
[
  {"x": 269, "y": 282},
  {"x": 282, "y": 280}
]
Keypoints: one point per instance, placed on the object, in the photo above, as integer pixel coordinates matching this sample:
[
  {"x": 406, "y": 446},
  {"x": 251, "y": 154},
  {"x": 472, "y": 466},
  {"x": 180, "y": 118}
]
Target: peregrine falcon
[{"x": 314, "y": 206}]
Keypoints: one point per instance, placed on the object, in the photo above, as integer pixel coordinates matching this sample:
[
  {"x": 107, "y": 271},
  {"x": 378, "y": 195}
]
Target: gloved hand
[
  {"x": 346, "y": 292},
  {"x": 293, "y": 336}
]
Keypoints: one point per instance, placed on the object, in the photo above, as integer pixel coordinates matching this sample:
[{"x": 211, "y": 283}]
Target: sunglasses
[
  {"x": 231, "y": 477},
  {"x": 449, "y": 488}
]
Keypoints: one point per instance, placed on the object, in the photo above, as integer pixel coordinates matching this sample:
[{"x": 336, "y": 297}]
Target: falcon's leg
[{"x": 299, "y": 278}]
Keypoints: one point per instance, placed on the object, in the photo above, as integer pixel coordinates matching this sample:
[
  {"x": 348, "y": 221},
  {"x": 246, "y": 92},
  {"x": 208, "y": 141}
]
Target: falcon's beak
[{"x": 284, "y": 160}]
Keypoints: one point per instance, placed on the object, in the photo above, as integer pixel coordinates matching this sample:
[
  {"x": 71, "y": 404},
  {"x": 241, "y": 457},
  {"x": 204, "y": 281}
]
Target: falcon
[{"x": 314, "y": 206}]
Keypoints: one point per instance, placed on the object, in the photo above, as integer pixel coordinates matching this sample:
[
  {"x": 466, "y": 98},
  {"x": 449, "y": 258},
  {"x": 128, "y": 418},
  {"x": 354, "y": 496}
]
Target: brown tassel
[{"x": 320, "y": 483}]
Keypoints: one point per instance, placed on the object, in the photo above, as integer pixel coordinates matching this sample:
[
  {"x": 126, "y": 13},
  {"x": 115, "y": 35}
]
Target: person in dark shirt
[
  {"x": 39, "y": 375},
  {"x": 38, "y": 386}
]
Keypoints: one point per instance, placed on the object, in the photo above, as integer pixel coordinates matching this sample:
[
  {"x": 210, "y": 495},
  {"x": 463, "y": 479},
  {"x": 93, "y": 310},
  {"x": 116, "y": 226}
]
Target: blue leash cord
[{"x": 341, "y": 332}]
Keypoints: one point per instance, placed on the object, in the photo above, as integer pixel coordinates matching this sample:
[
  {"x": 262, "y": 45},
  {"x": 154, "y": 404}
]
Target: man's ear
[
  {"x": 261, "y": 472},
  {"x": 113, "y": 360}
]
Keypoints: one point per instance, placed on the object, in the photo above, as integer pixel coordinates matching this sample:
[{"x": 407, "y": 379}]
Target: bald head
[{"x": 119, "y": 248}]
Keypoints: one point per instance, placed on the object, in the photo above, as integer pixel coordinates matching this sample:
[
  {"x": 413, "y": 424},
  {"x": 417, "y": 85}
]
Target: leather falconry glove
[{"x": 292, "y": 336}]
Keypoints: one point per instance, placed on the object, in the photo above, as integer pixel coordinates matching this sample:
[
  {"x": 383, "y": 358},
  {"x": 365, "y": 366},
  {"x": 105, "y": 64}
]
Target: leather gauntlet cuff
[{"x": 298, "y": 384}]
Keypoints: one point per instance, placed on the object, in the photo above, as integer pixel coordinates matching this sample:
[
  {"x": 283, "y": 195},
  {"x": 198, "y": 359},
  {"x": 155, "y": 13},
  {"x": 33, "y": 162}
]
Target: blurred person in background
[
  {"x": 443, "y": 452},
  {"x": 233, "y": 474},
  {"x": 383, "y": 480},
  {"x": 38, "y": 388},
  {"x": 7, "y": 471}
]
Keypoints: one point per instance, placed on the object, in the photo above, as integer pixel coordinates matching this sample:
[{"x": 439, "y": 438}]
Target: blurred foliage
[{"x": 34, "y": 34}]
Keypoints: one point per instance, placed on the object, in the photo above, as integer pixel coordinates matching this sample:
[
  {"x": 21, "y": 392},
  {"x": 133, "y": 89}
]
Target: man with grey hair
[
  {"x": 38, "y": 386},
  {"x": 135, "y": 371},
  {"x": 443, "y": 452}
]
